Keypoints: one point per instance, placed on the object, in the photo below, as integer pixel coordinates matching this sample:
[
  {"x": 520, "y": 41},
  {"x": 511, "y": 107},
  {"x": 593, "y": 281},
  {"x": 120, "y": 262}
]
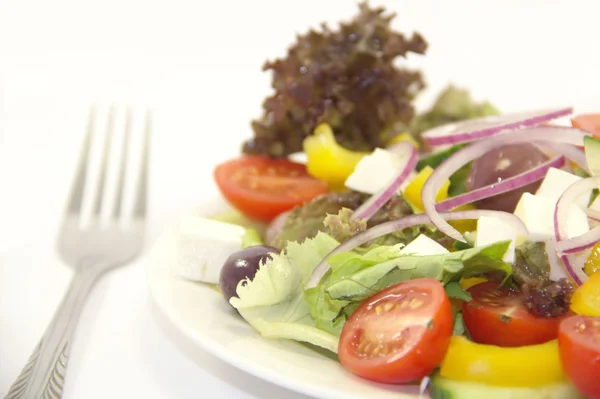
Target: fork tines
[{"x": 81, "y": 185}]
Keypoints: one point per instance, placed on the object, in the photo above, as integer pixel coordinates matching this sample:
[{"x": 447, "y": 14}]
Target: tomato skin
[
  {"x": 579, "y": 350},
  {"x": 422, "y": 345},
  {"x": 587, "y": 122},
  {"x": 262, "y": 188},
  {"x": 504, "y": 320}
]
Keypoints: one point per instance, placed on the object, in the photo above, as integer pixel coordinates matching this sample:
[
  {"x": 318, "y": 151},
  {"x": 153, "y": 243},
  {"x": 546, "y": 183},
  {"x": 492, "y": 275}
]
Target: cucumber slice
[
  {"x": 592, "y": 154},
  {"x": 443, "y": 388}
]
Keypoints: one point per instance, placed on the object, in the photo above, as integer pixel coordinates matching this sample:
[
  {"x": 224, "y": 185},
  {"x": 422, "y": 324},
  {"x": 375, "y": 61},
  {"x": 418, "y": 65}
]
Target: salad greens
[
  {"x": 330, "y": 213},
  {"x": 275, "y": 305},
  {"x": 371, "y": 273},
  {"x": 273, "y": 301},
  {"x": 348, "y": 77},
  {"x": 358, "y": 302}
]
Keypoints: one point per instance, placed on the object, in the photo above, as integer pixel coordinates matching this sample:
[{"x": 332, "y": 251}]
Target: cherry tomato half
[
  {"x": 579, "y": 347},
  {"x": 400, "y": 334},
  {"x": 262, "y": 188},
  {"x": 588, "y": 122},
  {"x": 498, "y": 316}
]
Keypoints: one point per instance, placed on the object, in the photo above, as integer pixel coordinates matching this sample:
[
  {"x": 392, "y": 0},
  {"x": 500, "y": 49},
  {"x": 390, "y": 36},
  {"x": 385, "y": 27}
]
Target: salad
[{"x": 458, "y": 248}]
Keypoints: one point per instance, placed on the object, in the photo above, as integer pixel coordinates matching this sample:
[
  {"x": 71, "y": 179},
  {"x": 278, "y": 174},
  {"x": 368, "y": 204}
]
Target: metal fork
[{"x": 91, "y": 251}]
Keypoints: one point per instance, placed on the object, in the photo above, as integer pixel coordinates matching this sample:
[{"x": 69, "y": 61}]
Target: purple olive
[
  {"x": 502, "y": 163},
  {"x": 241, "y": 265}
]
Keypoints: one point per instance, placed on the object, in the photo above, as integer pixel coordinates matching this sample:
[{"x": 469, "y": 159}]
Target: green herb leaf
[
  {"x": 455, "y": 290},
  {"x": 434, "y": 160}
]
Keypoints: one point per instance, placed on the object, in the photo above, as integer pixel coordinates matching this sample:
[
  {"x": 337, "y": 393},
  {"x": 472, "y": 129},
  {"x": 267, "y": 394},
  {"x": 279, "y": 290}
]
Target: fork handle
[{"x": 44, "y": 374}]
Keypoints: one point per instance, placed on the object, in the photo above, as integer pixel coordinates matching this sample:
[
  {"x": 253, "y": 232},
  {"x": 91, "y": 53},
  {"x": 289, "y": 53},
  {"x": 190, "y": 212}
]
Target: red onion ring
[
  {"x": 402, "y": 223},
  {"x": 572, "y": 152},
  {"x": 592, "y": 214},
  {"x": 411, "y": 156},
  {"x": 557, "y": 269},
  {"x": 566, "y": 246},
  {"x": 514, "y": 182},
  {"x": 443, "y": 172},
  {"x": 476, "y": 129}
]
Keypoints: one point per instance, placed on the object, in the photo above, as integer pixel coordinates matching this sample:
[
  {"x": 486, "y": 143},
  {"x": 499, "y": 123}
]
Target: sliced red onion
[
  {"x": 514, "y": 182},
  {"x": 565, "y": 244},
  {"x": 410, "y": 157},
  {"x": 579, "y": 243},
  {"x": 572, "y": 152},
  {"x": 541, "y": 134},
  {"x": 575, "y": 272},
  {"x": 401, "y": 224},
  {"x": 592, "y": 214},
  {"x": 557, "y": 269},
  {"x": 480, "y": 128}
]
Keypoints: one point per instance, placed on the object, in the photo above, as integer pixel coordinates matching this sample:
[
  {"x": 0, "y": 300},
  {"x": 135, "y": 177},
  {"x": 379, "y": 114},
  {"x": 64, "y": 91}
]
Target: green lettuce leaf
[
  {"x": 356, "y": 276},
  {"x": 273, "y": 302},
  {"x": 455, "y": 290},
  {"x": 445, "y": 268}
]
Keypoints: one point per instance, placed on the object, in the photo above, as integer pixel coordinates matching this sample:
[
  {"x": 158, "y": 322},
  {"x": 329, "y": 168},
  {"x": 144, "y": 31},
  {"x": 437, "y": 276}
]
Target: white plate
[{"x": 201, "y": 315}]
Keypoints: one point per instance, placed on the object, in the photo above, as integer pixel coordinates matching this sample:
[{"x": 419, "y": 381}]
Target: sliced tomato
[
  {"x": 579, "y": 348},
  {"x": 262, "y": 188},
  {"x": 499, "y": 316},
  {"x": 588, "y": 122},
  {"x": 398, "y": 335}
]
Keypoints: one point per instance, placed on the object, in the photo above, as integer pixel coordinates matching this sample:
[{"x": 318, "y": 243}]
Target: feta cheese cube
[
  {"x": 491, "y": 230},
  {"x": 374, "y": 171},
  {"x": 423, "y": 246},
  {"x": 203, "y": 245},
  {"x": 537, "y": 213},
  {"x": 556, "y": 182}
]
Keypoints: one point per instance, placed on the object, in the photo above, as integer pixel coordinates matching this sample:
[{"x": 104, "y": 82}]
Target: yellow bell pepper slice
[
  {"x": 327, "y": 160},
  {"x": 404, "y": 137},
  {"x": 471, "y": 281},
  {"x": 592, "y": 263},
  {"x": 586, "y": 298},
  {"x": 525, "y": 366},
  {"x": 412, "y": 192}
]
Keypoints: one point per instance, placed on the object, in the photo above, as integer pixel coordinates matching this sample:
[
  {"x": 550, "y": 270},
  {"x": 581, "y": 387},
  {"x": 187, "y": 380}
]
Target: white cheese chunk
[
  {"x": 537, "y": 213},
  {"x": 374, "y": 171},
  {"x": 202, "y": 247},
  {"x": 423, "y": 246},
  {"x": 556, "y": 182},
  {"x": 491, "y": 230}
]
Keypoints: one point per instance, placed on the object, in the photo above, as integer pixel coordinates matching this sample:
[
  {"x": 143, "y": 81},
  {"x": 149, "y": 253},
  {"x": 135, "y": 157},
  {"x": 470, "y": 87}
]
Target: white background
[{"x": 198, "y": 65}]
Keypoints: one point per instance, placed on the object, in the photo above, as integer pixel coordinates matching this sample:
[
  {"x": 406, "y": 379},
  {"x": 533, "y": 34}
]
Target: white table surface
[{"x": 198, "y": 64}]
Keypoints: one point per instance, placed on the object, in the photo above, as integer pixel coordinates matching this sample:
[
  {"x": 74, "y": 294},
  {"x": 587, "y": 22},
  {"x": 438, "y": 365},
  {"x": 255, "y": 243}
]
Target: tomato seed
[{"x": 415, "y": 303}]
